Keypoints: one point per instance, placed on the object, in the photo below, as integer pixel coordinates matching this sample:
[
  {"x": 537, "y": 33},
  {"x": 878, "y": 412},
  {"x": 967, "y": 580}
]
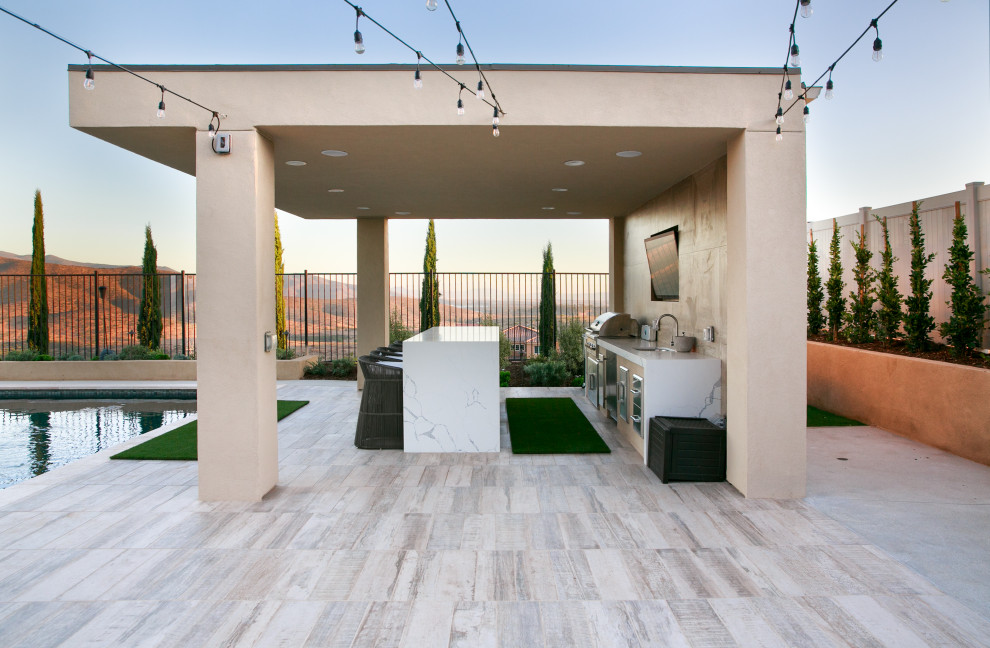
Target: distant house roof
[{"x": 520, "y": 334}]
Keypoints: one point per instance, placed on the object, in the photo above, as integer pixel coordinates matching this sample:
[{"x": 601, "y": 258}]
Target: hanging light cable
[
  {"x": 161, "y": 104},
  {"x": 90, "y": 81},
  {"x": 417, "y": 79},
  {"x": 877, "y": 43},
  {"x": 358, "y": 38}
]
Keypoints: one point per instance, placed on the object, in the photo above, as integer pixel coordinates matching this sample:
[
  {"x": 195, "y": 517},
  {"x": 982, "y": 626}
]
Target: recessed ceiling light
[
  {"x": 558, "y": 189},
  {"x": 296, "y": 163},
  {"x": 335, "y": 190},
  {"x": 402, "y": 213},
  {"x": 573, "y": 213},
  {"x": 364, "y": 208},
  {"x": 548, "y": 208},
  {"x": 628, "y": 154},
  {"x": 574, "y": 163},
  {"x": 334, "y": 153}
]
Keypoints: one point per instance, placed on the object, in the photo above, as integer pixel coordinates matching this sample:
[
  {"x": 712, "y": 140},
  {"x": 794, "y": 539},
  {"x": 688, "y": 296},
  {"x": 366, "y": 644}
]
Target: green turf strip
[
  {"x": 821, "y": 418},
  {"x": 550, "y": 426},
  {"x": 180, "y": 444}
]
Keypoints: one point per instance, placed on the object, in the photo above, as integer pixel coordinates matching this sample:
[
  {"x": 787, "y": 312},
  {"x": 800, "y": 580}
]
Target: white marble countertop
[
  {"x": 457, "y": 334},
  {"x": 627, "y": 348}
]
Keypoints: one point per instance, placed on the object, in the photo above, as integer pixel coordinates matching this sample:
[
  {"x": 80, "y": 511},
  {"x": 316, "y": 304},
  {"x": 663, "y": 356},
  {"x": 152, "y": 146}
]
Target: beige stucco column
[
  {"x": 617, "y": 264},
  {"x": 235, "y": 284},
  {"x": 372, "y": 286},
  {"x": 766, "y": 355}
]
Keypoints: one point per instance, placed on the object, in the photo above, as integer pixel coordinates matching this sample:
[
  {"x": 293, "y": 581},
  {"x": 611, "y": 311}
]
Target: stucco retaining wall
[
  {"x": 129, "y": 370},
  {"x": 944, "y": 405}
]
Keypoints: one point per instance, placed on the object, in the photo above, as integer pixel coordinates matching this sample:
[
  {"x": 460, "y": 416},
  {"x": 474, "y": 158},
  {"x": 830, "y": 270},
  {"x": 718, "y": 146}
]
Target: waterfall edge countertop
[{"x": 450, "y": 390}]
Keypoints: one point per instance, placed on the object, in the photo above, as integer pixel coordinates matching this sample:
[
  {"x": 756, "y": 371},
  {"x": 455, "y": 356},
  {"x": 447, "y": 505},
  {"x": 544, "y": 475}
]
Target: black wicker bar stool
[{"x": 379, "y": 425}]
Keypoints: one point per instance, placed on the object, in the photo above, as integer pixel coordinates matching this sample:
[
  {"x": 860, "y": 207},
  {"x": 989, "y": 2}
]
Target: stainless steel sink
[{"x": 654, "y": 348}]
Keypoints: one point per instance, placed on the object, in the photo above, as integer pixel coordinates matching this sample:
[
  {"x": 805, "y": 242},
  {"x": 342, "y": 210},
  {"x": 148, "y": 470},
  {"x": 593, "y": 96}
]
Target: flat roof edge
[{"x": 492, "y": 67}]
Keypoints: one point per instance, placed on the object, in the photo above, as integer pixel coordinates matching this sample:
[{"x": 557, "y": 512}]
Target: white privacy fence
[{"x": 936, "y": 214}]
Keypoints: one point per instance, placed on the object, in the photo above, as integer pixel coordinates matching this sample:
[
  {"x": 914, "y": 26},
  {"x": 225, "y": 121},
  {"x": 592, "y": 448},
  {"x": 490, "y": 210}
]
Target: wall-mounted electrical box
[{"x": 221, "y": 143}]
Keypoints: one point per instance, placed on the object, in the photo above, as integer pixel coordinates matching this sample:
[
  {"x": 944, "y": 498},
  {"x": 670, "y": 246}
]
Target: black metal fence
[{"x": 89, "y": 313}]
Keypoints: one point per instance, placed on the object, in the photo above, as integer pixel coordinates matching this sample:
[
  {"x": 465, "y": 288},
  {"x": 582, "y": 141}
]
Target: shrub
[
  {"x": 835, "y": 305},
  {"x": 504, "y": 378},
  {"x": 918, "y": 322},
  {"x": 134, "y": 352},
  {"x": 318, "y": 369},
  {"x": 571, "y": 342},
  {"x": 45, "y": 357},
  {"x": 964, "y": 330},
  {"x": 397, "y": 331},
  {"x": 108, "y": 354},
  {"x": 284, "y": 354},
  {"x": 24, "y": 355},
  {"x": 861, "y": 317},
  {"x": 343, "y": 367},
  {"x": 181, "y": 356},
  {"x": 70, "y": 357},
  {"x": 159, "y": 355},
  {"x": 816, "y": 318},
  {"x": 578, "y": 381},
  {"x": 548, "y": 373},
  {"x": 889, "y": 315}
]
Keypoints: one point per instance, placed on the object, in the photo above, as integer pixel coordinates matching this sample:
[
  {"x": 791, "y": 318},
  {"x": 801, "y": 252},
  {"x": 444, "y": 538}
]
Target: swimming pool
[{"x": 39, "y": 435}]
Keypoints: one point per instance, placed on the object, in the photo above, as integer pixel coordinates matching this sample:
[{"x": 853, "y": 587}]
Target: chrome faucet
[{"x": 656, "y": 327}]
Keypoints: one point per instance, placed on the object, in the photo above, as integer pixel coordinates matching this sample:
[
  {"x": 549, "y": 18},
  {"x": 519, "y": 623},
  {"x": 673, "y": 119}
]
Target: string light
[
  {"x": 161, "y": 104},
  {"x": 90, "y": 81},
  {"x": 358, "y": 38},
  {"x": 417, "y": 79},
  {"x": 788, "y": 92},
  {"x": 795, "y": 55},
  {"x": 495, "y": 119},
  {"x": 806, "y": 9},
  {"x": 829, "y": 86},
  {"x": 807, "y": 114},
  {"x": 877, "y": 43},
  {"x": 481, "y": 90},
  {"x": 780, "y": 116},
  {"x": 431, "y": 5},
  {"x": 460, "y": 53},
  {"x": 460, "y": 102},
  {"x": 495, "y": 132},
  {"x": 213, "y": 131},
  {"x": 779, "y": 137}
]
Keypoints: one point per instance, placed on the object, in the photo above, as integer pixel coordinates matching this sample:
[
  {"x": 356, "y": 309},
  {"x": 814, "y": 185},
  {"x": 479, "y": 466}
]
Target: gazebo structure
[{"x": 708, "y": 163}]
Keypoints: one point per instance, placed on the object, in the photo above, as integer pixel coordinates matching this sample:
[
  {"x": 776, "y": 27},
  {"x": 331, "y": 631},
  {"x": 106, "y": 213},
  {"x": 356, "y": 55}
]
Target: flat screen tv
[{"x": 661, "y": 255}]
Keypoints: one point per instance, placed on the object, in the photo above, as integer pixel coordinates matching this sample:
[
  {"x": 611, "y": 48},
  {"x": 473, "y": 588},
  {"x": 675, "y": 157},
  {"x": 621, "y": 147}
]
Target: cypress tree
[
  {"x": 281, "y": 330},
  {"x": 835, "y": 305},
  {"x": 965, "y": 326},
  {"x": 816, "y": 318},
  {"x": 548, "y": 306},
  {"x": 429, "y": 299},
  {"x": 38, "y": 307},
  {"x": 918, "y": 323},
  {"x": 889, "y": 315},
  {"x": 150, "y": 315},
  {"x": 861, "y": 317}
]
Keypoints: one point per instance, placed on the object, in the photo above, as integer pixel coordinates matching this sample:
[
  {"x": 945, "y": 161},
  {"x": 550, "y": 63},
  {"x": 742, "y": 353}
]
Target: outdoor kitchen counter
[
  {"x": 450, "y": 390},
  {"x": 675, "y": 384}
]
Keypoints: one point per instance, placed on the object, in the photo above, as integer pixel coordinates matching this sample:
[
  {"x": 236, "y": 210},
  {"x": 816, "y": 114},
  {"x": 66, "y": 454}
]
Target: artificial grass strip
[
  {"x": 550, "y": 426},
  {"x": 821, "y": 418},
  {"x": 180, "y": 444}
]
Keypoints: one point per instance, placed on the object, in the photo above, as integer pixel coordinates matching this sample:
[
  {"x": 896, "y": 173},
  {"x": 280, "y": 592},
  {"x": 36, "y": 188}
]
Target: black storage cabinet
[{"x": 686, "y": 449}]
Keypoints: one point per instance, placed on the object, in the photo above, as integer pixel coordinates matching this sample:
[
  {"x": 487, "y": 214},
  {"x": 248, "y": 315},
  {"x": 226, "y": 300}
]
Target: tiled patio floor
[{"x": 379, "y": 548}]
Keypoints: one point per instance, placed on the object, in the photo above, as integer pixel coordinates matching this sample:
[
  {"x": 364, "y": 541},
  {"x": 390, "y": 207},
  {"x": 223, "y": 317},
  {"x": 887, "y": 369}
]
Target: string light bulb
[
  {"x": 358, "y": 38},
  {"x": 779, "y": 137},
  {"x": 431, "y": 5},
  {"x": 161, "y": 104},
  {"x": 807, "y": 114},
  {"x": 90, "y": 81},
  {"x": 877, "y": 43},
  {"x": 780, "y": 116},
  {"x": 495, "y": 119},
  {"x": 795, "y": 55},
  {"x": 213, "y": 130},
  {"x": 460, "y": 53},
  {"x": 495, "y": 132},
  {"x": 481, "y": 90},
  {"x": 417, "y": 78},
  {"x": 806, "y": 9},
  {"x": 460, "y": 102},
  {"x": 788, "y": 91},
  {"x": 829, "y": 86}
]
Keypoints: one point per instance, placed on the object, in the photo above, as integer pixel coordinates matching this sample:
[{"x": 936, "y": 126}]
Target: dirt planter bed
[
  {"x": 129, "y": 369},
  {"x": 944, "y": 405}
]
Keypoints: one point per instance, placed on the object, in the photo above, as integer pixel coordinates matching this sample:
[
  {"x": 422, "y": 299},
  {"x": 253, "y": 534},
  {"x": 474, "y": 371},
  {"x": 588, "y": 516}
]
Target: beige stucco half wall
[
  {"x": 707, "y": 162},
  {"x": 938, "y": 403}
]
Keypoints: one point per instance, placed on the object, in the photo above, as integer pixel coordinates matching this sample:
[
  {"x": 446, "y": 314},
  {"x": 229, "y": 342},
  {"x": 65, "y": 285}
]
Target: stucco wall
[
  {"x": 941, "y": 404},
  {"x": 697, "y": 205}
]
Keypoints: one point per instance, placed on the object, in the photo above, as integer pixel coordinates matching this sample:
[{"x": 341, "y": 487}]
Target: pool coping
[{"x": 99, "y": 394}]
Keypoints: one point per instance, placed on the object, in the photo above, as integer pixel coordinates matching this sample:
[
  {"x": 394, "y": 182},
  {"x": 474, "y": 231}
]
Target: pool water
[{"x": 39, "y": 435}]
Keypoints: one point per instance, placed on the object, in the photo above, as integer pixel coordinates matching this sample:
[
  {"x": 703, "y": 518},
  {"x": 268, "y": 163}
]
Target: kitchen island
[{"x": 450, "y": 390}]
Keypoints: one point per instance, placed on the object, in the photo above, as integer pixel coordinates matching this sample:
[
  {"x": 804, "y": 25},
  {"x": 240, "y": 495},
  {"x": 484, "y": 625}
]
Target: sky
[{"x": 915, "y": 125}]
